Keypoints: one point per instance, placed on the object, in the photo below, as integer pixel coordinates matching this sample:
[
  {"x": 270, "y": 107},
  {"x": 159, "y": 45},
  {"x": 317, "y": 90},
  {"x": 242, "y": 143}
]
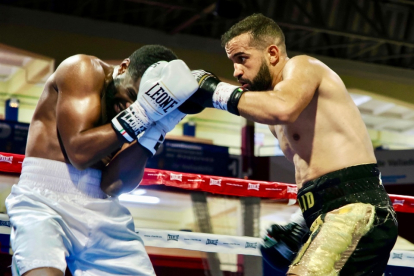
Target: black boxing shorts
[{"x": 353, "y": 224}]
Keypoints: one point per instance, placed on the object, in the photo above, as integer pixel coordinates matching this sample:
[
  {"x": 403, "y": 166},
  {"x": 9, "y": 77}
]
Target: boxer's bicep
[
  {"x": 79, "y": 87},
  {"x": 301, "y": 78},
  {"x": 76, "y": 114},
  {"x": 78, "y": 107}
]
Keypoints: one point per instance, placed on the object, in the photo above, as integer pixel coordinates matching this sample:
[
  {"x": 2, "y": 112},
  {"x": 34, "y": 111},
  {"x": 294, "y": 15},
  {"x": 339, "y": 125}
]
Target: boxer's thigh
[
  {"x": 373, "y": 250},
  {"x": 37, "y": 237},
  {"x": 113, "y": 248},
  {"x": 335, "y": 236}
]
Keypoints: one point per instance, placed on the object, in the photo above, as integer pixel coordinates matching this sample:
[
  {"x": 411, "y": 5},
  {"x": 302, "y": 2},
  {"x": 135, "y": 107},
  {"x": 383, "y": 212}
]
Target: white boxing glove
[
  {"x": 164, "y": 87},
  {"x": 154, "y": 136}
]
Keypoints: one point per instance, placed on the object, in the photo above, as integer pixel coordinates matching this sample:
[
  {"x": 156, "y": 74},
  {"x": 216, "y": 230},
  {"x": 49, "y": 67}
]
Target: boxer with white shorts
[
  {"x": 89, "y": 140},
  {"x": 61, "y": 216}
]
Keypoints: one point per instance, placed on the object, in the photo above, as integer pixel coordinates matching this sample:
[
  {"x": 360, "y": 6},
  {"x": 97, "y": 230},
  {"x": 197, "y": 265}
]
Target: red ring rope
[{"x": 12, "y": 163}]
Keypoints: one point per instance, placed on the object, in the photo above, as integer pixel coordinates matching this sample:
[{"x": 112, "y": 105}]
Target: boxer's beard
[{"x": 262, "y": 81}]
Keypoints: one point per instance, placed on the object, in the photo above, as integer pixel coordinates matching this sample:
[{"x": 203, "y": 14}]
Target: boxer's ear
[
  {"x": 124, "y": 66},
  {"x": 273, "y": 54}
]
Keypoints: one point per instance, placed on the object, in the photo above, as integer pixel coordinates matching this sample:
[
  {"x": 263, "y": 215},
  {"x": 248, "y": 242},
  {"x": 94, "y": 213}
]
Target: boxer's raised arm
[
  {"x": 301, "y": 78},
  {"x": 80, "y": 81},
  {"x": 126, "y": 169}
]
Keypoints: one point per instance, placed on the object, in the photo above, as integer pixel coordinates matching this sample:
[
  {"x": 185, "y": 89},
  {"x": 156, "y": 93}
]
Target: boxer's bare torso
[
  {"x": 329, "y": 134},
  {"x": 71, "y": 105},
  {"x": 306, "y": 106}
]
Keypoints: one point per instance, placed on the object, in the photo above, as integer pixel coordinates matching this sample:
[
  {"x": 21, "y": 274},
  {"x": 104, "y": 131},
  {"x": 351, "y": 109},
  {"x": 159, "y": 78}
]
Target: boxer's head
[
  {"x": 127, "y": 75},
  {"x": 255, "y": 45}
]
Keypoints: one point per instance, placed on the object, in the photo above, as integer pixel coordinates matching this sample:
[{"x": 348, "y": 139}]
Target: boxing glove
[
  {"x": 164, "y": 86},
  {"x": 214, "y": 93},
  {"x": 154, "y": 136},
  {"x": 189, "y": 107},
  {"x": 282, "y": 243}
]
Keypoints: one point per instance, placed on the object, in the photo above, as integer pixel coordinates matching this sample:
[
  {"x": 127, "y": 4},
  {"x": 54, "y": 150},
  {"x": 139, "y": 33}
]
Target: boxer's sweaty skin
[
  {"x": 307, "y": 108},
  {"x": 71, "y": 122},
  {"x": 68, "y": 122}
]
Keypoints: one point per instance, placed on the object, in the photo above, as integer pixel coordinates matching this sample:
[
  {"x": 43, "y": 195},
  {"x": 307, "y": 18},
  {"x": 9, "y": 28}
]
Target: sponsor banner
[
  {"x": 396, "y": 166},
  {"x": 200, "y": 241}
]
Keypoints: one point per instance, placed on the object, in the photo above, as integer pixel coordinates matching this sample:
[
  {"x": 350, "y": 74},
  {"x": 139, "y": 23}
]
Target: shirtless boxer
[
  {"x": 59, "y": 213},
  {"x": 308, "y": 109}
]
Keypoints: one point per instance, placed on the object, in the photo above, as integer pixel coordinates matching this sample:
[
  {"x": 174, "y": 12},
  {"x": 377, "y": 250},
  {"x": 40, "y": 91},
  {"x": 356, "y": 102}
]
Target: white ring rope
[
  {"x": 214, "y": 243},
  {"x": 231, "y": 244},
  {"x": 200, "y": 241}
]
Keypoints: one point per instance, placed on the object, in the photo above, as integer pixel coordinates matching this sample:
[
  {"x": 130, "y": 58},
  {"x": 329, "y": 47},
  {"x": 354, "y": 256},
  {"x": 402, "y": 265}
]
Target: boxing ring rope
[{"x": 12, "y": 163}]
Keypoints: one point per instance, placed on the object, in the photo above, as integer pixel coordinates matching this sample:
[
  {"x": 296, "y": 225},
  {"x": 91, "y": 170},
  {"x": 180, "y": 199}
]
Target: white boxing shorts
[{"x": 60, "y": 216}]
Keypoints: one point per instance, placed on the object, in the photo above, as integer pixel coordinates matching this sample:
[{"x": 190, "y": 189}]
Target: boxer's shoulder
[
  {"x": 303, "y": 62},
  {"x": 80, "y": 73},
  {"x": 81, "y": 64}
]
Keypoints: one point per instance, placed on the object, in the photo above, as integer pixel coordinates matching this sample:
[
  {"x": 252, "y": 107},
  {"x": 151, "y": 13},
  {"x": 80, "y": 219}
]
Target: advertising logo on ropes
[
  {"x": 251, "y": 245},
  {"x": 178, "y": 177},
  {"x": 398, "y": 202},
  {"x": 214, "y": 242},
  {"x": 172, "y": 237},
  {"x": 5, "y": 223},
  {"x": 253, "y": 187},
  {"x": 292, "y": 190},
  {"x": 216, "y": 182},
  {"x": 397, "y": 256},
  {"x": 6, "y": 159}
]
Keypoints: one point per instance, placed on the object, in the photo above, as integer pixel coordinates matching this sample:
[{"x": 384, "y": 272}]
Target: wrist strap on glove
[
  {"x": 227, "y": 96},
  {"x": 155, "y": 134},
  {"x": 131, "y": 122},
  {"x": 152, "y": 139}
]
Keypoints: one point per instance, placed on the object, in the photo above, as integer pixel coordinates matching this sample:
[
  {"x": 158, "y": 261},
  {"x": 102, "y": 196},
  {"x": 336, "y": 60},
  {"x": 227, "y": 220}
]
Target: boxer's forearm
[
  {"x": 125, "y": 171},
  {"x": 89, "y": 147},
  {"x": 266, "y": 107}
]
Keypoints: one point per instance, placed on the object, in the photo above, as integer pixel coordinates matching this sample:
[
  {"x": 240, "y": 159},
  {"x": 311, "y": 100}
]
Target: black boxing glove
[
  {"x": 282, "y": 243},
  {"x": 189, "y": 107},
  {"x": 214, "y": 93}
]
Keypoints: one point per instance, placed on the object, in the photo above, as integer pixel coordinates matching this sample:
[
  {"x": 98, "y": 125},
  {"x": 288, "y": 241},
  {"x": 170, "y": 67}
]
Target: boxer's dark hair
[
  {"x": 264, "y": 31},
  {"x": 147, "y": 55}
]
